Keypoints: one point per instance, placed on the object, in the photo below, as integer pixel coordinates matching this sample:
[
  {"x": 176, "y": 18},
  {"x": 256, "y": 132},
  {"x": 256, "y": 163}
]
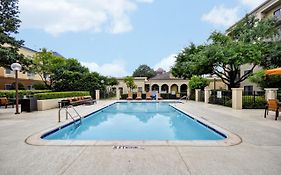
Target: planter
[{"x": 43, "y": 105}]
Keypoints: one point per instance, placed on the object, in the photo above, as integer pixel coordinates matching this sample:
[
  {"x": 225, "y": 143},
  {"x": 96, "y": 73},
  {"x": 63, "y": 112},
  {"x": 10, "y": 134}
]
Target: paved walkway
[{"x": 259, "y": 152}]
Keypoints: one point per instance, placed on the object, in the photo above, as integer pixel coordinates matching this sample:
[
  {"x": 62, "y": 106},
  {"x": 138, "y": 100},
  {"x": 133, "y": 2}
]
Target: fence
[
  {"x": 253, "y": 100},
  {"x": 202, "y": 95},
  {"x": 106, "y": 94},
  {"x": 221, "y": 97}
]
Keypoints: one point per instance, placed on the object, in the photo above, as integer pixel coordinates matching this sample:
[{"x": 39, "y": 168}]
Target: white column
[
  {"x": 97, "y": 94},
  {"x": 207, "y": 94},
  {"x": 118, "y": 93},
  {"x": 197, "y": 94},
  {"x": 237, "y": 98},
  {"x": 271, "y": 93}
]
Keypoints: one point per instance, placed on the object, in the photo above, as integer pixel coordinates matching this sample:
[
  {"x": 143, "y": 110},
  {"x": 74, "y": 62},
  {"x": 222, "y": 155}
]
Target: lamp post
[
  {"x": 16, "y": 67},
  {"x": 102, "y": 81}
]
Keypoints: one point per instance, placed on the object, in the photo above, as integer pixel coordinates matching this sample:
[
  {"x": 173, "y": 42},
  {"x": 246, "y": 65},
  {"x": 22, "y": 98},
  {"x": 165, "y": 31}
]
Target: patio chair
[
  {"x": 148, "y": 96},
  {"x": 159, "y": 97},
  {"x": 5, "y": 102},
  {"x": 130, "y": 96},
  {"x": 272, "y": 105},
  {"x": 139, "y": 96}
]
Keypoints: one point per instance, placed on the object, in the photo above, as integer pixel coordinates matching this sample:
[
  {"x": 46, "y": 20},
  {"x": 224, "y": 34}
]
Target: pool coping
[{"x": 230, "y": 140}]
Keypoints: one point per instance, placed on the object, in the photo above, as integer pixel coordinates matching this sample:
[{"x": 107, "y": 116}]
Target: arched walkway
[
  {"x": 174, "y": 89},
  {"x": 155, "y": 87},
  {"x": 165, "y": 88},
  {"x": 183, "y": 88}
]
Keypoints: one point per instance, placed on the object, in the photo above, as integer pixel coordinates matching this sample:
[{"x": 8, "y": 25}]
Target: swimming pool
[{"x": 136, "y": 121}]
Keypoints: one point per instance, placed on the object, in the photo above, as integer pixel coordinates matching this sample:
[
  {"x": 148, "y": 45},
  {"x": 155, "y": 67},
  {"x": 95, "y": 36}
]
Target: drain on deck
[{"x": 126, "y": 147}]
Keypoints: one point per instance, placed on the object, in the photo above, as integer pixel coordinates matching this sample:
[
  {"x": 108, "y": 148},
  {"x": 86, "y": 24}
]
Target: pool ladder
[
  {"x": 184, "y": 97},
  {"x": 67, "y": 113}
]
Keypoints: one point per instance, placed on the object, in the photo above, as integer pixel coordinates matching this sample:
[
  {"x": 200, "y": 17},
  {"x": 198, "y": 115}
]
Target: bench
[
  {"x": 5, "y": 102},
  {"x": 75, "y": 101}
]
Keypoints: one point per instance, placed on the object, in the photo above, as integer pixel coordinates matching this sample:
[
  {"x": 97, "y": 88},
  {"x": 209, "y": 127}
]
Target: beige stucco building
[
  {"x": 268, "y": 9},
  {"x": 164, "y": 83},
  {"x": 7, "y": 76}
]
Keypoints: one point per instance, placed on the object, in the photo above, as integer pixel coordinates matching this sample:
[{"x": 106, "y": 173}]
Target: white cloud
[
  {"x": 166, "y": 63},
  {"x": 61, "y": 16},
  {"x": 114, "y": 69},
  {"x": 221, "y": 15},
  {"x": 252, "y": 3}
]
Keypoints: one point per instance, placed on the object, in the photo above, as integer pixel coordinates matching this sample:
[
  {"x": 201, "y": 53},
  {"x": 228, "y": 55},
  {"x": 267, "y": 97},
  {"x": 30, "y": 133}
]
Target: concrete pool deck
[{"x": 259, "y": 152}]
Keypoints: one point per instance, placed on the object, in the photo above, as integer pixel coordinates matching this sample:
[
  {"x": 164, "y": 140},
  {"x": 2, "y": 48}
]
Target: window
[
  {"x": 30, "y": 74},
  {"x": 247, "y": 71},
  {"x": 8, "y": 86},
  {"x": 8, "y": 71},
  {"x": 248, "y": 90},
  {"x": 139, "y": 89},
  {"x": 277, "y": 13},
  {"x": 30, "y": 87}
]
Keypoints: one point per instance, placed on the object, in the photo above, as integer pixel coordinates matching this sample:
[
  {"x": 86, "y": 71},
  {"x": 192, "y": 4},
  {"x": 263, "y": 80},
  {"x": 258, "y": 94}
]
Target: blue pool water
[{"x": 136, "y": 121}]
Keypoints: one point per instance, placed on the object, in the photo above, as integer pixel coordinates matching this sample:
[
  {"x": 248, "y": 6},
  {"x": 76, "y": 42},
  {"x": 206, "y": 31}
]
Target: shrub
[
  {"x": 12, "y": 93},
  {"x": 250, "y": 103},
  {"x": 53, "y": 95},
  {"x": 39, "y": 86},
  {"x": 197, "y": 82}
]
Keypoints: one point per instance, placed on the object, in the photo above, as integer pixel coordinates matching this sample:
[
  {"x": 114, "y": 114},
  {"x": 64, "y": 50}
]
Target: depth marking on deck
[{"x": 126, "y": 147}]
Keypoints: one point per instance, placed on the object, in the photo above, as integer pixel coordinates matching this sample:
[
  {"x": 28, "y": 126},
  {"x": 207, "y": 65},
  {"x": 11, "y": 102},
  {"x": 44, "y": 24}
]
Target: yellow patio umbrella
[{"x": 276, "y": 71}]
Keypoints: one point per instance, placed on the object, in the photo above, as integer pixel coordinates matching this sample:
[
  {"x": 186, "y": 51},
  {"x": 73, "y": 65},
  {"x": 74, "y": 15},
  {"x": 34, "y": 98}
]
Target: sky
[{"x": 114, "y": 37}]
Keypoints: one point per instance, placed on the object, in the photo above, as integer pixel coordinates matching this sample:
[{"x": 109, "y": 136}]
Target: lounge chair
[
  {"x": 130, "y": 96},
  {"x": 148, "y": 96},
  {"x": 159, "y": 96},
  {"x": 5, "y": 102},
  {"x": 139, "y": 96},
  {"x": 272, "y": 105}
]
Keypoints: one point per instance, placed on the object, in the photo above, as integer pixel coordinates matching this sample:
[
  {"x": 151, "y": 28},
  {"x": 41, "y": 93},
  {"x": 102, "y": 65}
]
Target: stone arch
[
  {"x": 155, "y": 87},
  {"x": 183, "y": 88},
  {"x": 165, "y": 88},
  {"x": 174, "y": 89}
]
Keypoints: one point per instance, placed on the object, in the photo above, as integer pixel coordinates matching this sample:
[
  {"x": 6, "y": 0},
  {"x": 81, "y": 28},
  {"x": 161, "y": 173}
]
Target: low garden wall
[{"x": 50, "y": 100}]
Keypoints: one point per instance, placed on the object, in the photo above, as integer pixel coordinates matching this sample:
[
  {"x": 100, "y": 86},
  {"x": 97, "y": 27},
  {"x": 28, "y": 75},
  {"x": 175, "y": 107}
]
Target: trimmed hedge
[
  {"x": 53, "y": 95},
  {"x": 12, "y": 93}
]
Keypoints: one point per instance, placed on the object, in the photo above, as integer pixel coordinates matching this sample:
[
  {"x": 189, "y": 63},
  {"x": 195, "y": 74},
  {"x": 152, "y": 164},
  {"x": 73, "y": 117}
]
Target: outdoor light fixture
[
  {"x": 103, "y": 94},
  {"x": 16, "y": 67}
]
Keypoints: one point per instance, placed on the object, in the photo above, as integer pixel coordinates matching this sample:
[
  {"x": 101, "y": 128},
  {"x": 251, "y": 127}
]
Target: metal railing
[
  {"x": 202, "y": 96},
  {"x": 221, "y": 97},
  {"x": 67, "y": 113},
  {"x": 253, "y": 100}
]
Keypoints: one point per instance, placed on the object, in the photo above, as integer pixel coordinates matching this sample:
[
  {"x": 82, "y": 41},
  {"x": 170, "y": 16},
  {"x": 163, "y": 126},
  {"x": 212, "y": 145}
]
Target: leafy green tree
[
  {"x": 197, "y": 82},
  {"x": 144, "y": 71},
  {"x": 130, "y": 83},
  {"x": 47, "y": 66},
  {"x": 248, "y": 43},
  {"x": 264, "y": 81},
  {"x": 9, "y": 24}
]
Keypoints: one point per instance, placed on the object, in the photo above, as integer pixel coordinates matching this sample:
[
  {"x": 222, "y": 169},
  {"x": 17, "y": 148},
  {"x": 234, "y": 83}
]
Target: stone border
[{"x": 231, "y": 139}]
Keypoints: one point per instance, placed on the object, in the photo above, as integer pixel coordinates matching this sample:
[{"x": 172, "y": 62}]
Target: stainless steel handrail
[{"x": 67, "y": 113}]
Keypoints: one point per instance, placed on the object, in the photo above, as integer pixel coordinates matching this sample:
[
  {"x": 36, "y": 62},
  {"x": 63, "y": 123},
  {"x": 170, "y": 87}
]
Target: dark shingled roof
[{"x": 163, "y": 76}]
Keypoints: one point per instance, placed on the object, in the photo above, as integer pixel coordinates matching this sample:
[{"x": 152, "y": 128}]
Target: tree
[
  {"x": 197, "y": 82},
  {"x": 263, "y": 81},
  {"x": 129, "y": 80},
  {"x": 9, "y": 24},
  {"x": 248, "y": 43},
  {"x": 47, "y": 66},
  {"x": 144, "y": 71}
]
